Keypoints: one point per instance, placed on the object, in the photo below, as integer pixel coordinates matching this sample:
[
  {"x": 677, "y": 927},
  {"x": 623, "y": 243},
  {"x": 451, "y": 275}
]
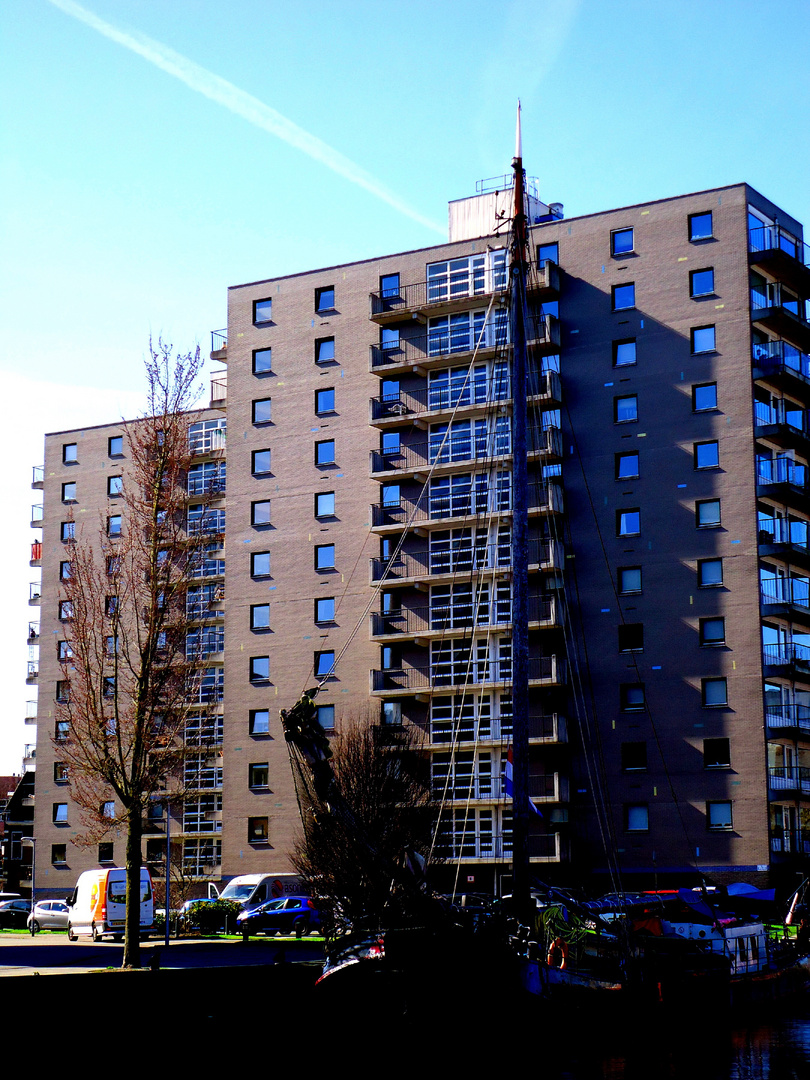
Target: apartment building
[{"x": 369, "y": 525}]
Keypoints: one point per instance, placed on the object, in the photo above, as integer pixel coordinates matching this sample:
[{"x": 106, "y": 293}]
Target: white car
[{"x": 48, "y": 915}]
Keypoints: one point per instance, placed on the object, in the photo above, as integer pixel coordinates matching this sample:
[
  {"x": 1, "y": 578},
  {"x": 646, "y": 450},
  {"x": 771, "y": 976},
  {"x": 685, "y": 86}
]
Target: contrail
[{"x": 244, "y": 105}]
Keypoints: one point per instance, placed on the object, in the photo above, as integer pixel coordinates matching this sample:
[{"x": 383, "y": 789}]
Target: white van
[
  {"x": 98, "y": 904},
  {"x": 250, "y": 890}
]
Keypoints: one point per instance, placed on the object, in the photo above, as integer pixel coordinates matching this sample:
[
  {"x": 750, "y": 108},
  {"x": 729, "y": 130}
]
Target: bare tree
[
  {"x": 359, "y": 832},
  {"x": 128, "y": 673}
]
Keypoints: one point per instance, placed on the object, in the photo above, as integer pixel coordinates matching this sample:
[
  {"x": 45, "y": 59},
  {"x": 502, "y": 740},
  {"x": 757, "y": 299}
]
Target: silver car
[{"x": 48, "y": 915}]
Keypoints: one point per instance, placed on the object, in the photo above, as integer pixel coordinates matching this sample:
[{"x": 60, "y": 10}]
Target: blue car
[{"x": 288, "y": 915}]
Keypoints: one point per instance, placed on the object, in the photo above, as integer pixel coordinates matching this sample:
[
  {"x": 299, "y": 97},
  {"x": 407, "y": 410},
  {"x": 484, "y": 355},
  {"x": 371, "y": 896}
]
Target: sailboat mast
[{"x": 518, "y": 268}]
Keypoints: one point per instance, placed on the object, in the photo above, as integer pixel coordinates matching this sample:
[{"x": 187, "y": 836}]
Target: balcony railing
[
  {"x": 37, "y": 514},
  {"x": 777, "y": 357},
  {"x": 36, "y": 553},
  {"x": 794, "y": 591},
  {"x": 34, "y": 592},
  {"x": 31, "y": 712},
  {"x": 550, "y": 728},
  {"x": 219, "y": 391},
  {"x": 38, "y": 476},
  {"x": 32, "y": 672},
  {"x": 767, "y": 416},
  {"x": 782, "y": 655},
  {"x": 209, "y": 524},
  {"x": 791, "y": 842},
  {"x": 219, "y": 339},
  {"x": 548, "y": 554},
  {"x": 544, "y": 332},
  {"x": 33, "y": 632},
  {"x": 542, "y": 610},
  {"x": 543, "y": 385},
  {"x": 420, "y": 457},
  {"x": 198, "y": 485},
  {"x": 441, "y": 291},
  {"x": 542, "y": 670},
  {"x": 788, "y": 716},
  {"x": 775, "y": 238},
  {"x": 789, "y": 778},
  {"x": 781, "y": 471},
  {"x": 543, "y": 498}
]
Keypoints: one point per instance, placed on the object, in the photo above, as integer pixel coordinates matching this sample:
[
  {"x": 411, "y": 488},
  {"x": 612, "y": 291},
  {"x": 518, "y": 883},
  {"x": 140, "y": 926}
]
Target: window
[
  {"x": 325, "y": 298},
  {"x": 707, "y": 514},
  {"x": 70, "y": 453},
  {"x": 716, "y": 754},
  {"x": 709, "y": 573},
  {"x": 324, "y": 662},
  {"x": 624, "y": 352},
  {"x": 64, "y": 571},
  {"x": 115, "y": 446},
  {"x": 324, "y": 556},
  {"x": 389, "y": 286},
  {"x": 391, "y": 713},
  {"x": 636, "y": 817},
  {"x": 63, "y": 650},
  {"x": 634, "y": 756},
  {"x": 703, "y": 339},
  {"x": 390, "y": 444},
  {"x": 325, "y": 401},
  {"x": 390, "y": 495},
  {"x": 106, "y": 852},
  {"x": 108, "y": 810},
  {"x": 69, "y": 492},
  {"x": 60, "y": 812},
  {"x": 259, "y": 721},
  {"x": 628, "y": 522},
  {"x": 259, "y": 668},
  {"x": 108, "y": 686},
  {"x": 113, "y": 565},
  {"x": 700, "y": 226},
  {"x": 60, "y": 772},
  {"x": 713, "y": 631},
  {"x": 718, "y": 815},
  {"x": 325, "y": 504},
  {"x": 625, "y": 409},
  {"x": 260, "y": 512},
  {"x": 389, "y": 338},
  {"x": 257, "y": 830},
  {"x": 707, "y": 455},
  {"x": 325, "y": 715},
  {"x": 548, "y": 251},
  {"x": 325, "y": 609},
  {"x": 260, "y": 564},
  {"x": 631, "y": 697},
  {"x": 714, "y": 692},
  {"x": 114, "y": 525},
  {"x": 68, "y": 531},
  {"x": 621, "y": 241},
  {"x": 629, "y": 580},
  {"x": 624, "y": 296},
  {"x": 62, "y": 730},
  {"x": 324, "y": 350},
  {"x": 631, "y": 637},
  {"x": 65, "y": 610},
  {"x": 259, "y": 616},
  {"x": 110, "y": 605},
  {"x": 262, "y": 311},
  {"x": 261, "y": 411},
  {"x": 115, "y": 486},
  {"x": 258, "y": 774},
  {"x": 260, "y": 465},
  {"x": 111, "y": 643},
  {"x": 626, "y": 466},
  {"x": 701, "y": 282},
  {"x": 58, "y": 854},
  {"x": 325, "y": 452},
  {"x": 262, "y": 361},
  {"x": 704, "y": 397},
  {"x": 63, "y": 691}
]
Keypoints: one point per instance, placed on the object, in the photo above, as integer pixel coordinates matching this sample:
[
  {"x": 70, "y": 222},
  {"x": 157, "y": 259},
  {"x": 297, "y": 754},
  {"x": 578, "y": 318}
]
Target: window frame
[
  {"x": 620, "y": 515},
  {"x": 67, "y": 532},
  {"x": 723, "y": 826},
  {"x": 258, "y": 830},
  {"x": 255, "y": 368},
  {"x": 111, "y": 452},
  {"x": 619, "y": 583},
  {"x": 325, "y": 292},
  {"x": 256, "y": 410},
  {"x": 696, "y": 453},
  {"x": 261, "y": 472},
  {"x": 317, "y": 615},
  {"x": 714, "y": 680},
  {"x": 67, "y": 487},
  {"x": 324, "y": 708},
  {"x": 716, "y": 765},
  {"x": 714, "y": 524},
  {"x": 70, "y": 453},
  {"x": 325, "y": 566},
  {"x": 258, "y": 775},
  {"x": 255, "y": 623},
  {"x": 710, "y": 584},
  {"x": 623, "y": 456},
  {"x": 257, "y": 727},
  {"x": 694, "y": 331},
  {"x": 320, "y": 661},
  {"x": 115, "y": 490},
  {"x": 331, "y": 461},
  {"x": 319, "y": 410},
  {"x": 690, "y": 229},
  {"x": 254, "y": 676},
  {"x": 704, "y": 408},
  {"x": 618, "y": 252},
  {"x": 624, "y": 631},
  {"x": 626, "y": 756},
  {"x": 255, "y": 557},
  {"x": 319, "y": 345},
  {"x": 320, "y": 514},
  {"x": 389, "y": 292},
  {"x": 60, "y": 813},
  {"x": 257, "y": 306},
  {"x": 616, "y": 347},
  {"x": 58, "y": 854},
  {"x": 114, "y": 530},
  {"x": 614, "y": 292},
  {"x": 627, "y": 705},
  {"x": 708, "y": 642},
  {"x": 629, "y": 808},
  {"x": 625, "y": 420},
  {"x": 261, "y": 518},
  {"x": 705, "y": 292}
]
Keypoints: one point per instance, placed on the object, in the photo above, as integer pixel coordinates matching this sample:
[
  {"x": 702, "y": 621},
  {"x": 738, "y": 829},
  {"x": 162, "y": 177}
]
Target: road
[{"x": 50, "y": 953}]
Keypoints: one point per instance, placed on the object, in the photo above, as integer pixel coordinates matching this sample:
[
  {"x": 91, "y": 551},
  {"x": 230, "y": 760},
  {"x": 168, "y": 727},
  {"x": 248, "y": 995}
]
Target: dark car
[
  {"x": 289, "y": 915},
  {"x": 14, "y": 914}
]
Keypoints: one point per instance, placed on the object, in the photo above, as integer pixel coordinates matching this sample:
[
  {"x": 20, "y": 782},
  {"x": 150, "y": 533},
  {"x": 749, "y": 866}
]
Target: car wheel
[
  {"x": 71, "y": 935},
  {"x": 118, "y": 938},
  {"x": 300, "y": 928},
  {"x": 35, "y": 927},
  {"x": 95, "y": 934}
]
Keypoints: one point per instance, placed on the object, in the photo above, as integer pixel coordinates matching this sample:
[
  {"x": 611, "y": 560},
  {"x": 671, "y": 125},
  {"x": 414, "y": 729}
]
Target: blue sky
[{"x": 154, "y": 152}]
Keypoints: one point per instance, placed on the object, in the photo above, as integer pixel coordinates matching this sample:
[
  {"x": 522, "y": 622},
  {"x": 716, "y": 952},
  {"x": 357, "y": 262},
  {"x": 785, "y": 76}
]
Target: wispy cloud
[{"x": 245, "y": 105}]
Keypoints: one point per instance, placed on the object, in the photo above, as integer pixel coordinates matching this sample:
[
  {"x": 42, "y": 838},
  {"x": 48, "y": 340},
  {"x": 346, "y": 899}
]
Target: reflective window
[
  {"x": 262, "y": 311},
  {"x": 625, "y": 409},
  {"x": 325, "y": 609},
  {"x": 259, "y": 668},
  {"x": 700, "y": 226},
  {"x": 701, "y": 282},
  {"x": 621, "y": 241},
  {"x": 261, "y": 462},
  {"x": 714, "y": 692},
  {"x": 704, "y": 397},
  {"x": 707, "y": 513},
  {"x": 707, "y": 455},
  {"x": 626, "y": 466},
  {"x": 262, "y": 411},
  {"x": 624, "y": 296},
  {"x": 628, "y": 522},
  {"x": 260, "y": 564},
  {"x": 629, "y": 579},
  {"x": 710, "y": 572},
  {"x": 325, "y": 298},
  {"x": 624, "y": 352},
  {"x": 324, "y": 350},
  {"x": 262, "y": 361},
  {"x": 325, "y": 401},
  {"x": 325, "y": 504},
  {"x": 703, "y": 339}
]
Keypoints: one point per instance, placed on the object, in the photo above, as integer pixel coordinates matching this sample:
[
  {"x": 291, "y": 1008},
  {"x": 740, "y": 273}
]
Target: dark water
[{"x": 775, "y": 1046}]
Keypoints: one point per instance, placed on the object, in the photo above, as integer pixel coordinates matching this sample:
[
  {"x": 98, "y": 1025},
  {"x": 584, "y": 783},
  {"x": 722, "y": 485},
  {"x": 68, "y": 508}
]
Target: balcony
[
  {"x": 219, "y": 345},
  {"x": 494, "y": 847},
  {"x": 32, "y": 672},
  {"x": 442, "y": 295},
  {"x": 435, "y": 622},
  {"x": 776, "y": 429},
  {"x": 212, "y": 523},
  {"x": 441, "y": 402},
  {"x": 782, "y": 363},
  {"x": 544, "y": 284},
  {"x": 35, "y": 592},
  {"x": 219, "y": 392},
  {"x": 785, "y": 539},
  {"x": 547, "y": 728},
  {"x": 31, "y": 712},
  {"x": 207, "y": 437},
  {"x": 29, "y": 756},
  {"x": 781, "y": 717},
  {"x": 199, "y": 487},
  {"x": 791, "y": 842},
  {"x": 36, "y": 517},
  {"x": 786, "y": 596},
  {"x": 781, "y": 312},
  {"x": 36, "y": 554},
  {"x": 403, "y": 682},
  {"x": 412, "y": 567},
  {"x": 544, "y": 498},
  {"x": 38, "y": 477},
  {"x": 786, "y": 658},
  {"x": 416, "y": 460},
  {"x": 789, "y": 778},
  {"x": 784, "y": 480},
  {"x": 419, "y": 354},
  {"x": 780, "y": 254},
  {"x": 33, "y": 633}
]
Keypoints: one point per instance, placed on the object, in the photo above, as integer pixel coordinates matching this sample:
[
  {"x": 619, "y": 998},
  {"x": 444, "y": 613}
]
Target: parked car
[
  {"x": 48, "y": 915},
  {"x": 14, "y": 914},
  {"x": 288, "y": 915}
]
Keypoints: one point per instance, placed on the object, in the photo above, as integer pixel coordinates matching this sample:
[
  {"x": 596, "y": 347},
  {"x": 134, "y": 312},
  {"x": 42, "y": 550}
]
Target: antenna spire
[{"x": 518, "y": 136}]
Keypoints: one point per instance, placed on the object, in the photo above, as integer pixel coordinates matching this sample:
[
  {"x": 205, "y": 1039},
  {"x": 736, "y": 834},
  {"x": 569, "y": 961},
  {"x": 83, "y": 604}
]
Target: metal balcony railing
[
  {"x": 549, "y": 728},
  {"x": 219, "y": 389},
  {"x": 542, "y": 669},
  {"x": 781, "y": 655},
  {"x": 473, "y": 393},
  {"x": 791, "y": 842},
  {"x": 37, "y": 514},
  {"x": 34, "y": 592},
  {"x": 789, "y": 778},
  {"x": 787, "y": 716},
  {"x": 31, "y": 712},
  {"x": 38, "y": 476},
  {"x": 219, "y": 339},
  {"x": 781, "y": 471},
  {"x": 36, "y": 551},
  {"x": 460, "y": 616},
  {"x": 543, "y": 498},
  {"x": 457, "y": 451},
  {"x": 767, "y": 416},
  {"x": 32, "y": 672},
  {"x": 33, "y": 631},
  {"x": 198, "y": 485},
  {"x": 774, "y": 357},
  {"x": 795, "y": 591},
  {"x": 775, "y": 238},
  {"x": 543, "y": 331},
  {"x": 462, "y": 560}
]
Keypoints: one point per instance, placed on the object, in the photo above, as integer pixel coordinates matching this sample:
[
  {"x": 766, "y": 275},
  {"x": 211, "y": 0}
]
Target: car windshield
[
  {"x": 237, "y": 892},
  {"x": 273, "y": 905}
]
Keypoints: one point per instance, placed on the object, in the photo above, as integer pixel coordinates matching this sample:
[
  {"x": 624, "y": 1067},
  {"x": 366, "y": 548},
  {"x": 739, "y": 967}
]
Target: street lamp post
[{"x": 33, "y": 842}]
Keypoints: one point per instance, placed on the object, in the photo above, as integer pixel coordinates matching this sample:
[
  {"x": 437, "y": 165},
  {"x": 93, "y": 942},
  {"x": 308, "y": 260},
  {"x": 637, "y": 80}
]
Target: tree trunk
[{"x": 132, "y": 931}]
